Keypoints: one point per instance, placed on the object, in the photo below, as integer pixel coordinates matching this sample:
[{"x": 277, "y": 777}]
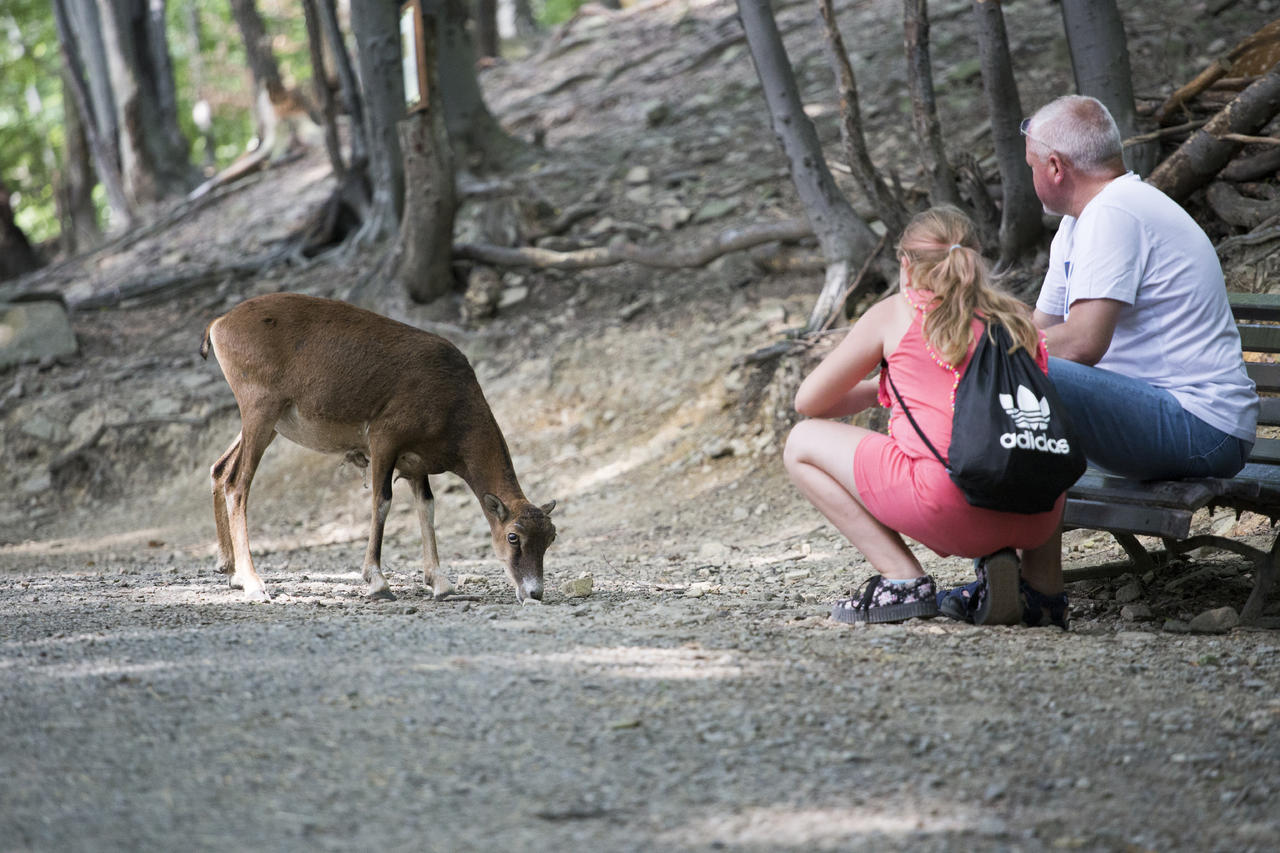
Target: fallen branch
[
  {"x": 1253, "y": 238},
  {"x": 1251, "y": 140},
  {"x": 662, "y": 257},
  {"x": 1237, "y": 209},
  {"x": 1252, "y": 168},
  {"x": 1165, "y": 131},
  {"x": 150, "y": 287},
  {"x": 1205, "y": 154}
]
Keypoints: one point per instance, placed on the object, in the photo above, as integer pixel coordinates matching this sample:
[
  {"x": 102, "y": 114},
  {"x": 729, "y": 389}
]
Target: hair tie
[{"x": 954, "y": 246}]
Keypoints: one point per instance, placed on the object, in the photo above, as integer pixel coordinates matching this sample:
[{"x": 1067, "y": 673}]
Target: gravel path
[{"x": 142, "y": 707}]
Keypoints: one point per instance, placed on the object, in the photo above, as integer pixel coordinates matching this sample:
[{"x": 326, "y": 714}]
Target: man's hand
[{"x": 1085, "y": 335}]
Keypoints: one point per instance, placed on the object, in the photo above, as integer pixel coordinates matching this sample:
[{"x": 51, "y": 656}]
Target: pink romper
[{"x": 901, "y": 482}]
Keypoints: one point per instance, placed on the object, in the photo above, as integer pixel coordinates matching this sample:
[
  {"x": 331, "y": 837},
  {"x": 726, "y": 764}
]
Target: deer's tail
[{"x": 206, "y": 344}]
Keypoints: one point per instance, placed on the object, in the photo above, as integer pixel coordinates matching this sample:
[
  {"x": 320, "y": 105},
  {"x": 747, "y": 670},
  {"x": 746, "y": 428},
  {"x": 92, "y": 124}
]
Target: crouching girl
[{"x": 876, "y": 488}]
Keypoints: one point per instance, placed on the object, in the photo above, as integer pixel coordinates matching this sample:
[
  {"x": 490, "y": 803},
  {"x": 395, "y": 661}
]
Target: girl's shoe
[
  {"x": 889, "y": 602},
  {"x": 998, "y": 601},
  {"x": 1041, "y": 611},
  {"x": 993, "y": 599}
]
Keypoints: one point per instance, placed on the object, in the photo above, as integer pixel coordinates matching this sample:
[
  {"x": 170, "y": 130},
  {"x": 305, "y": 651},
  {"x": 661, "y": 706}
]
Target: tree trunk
[
  {"x": 352, "y": 100},
  {"x": 844, "y": 238},
  {"x": 1020, "y": 219},
  {"x": 377, "y": 35},
  {"x": 426, "y": 232},
  {"x": 477, "y": 139},
  {"x": 888, "y": 207},
  {"x": 257, "y": 44},
  {"x": 77, "y": 212},
  {"x": 526, "y": 23},
  {"x": 425, "y": 269},
  {"x": 1210, "y": 149},
  {"x": 262, "y": 63},
  {"x": 1100, "y": 61},
  {"x": 16, "y": 255},
  {"x": 165, "y": 87},
  {"x": 487, "y": 41},
  {"x": 84, "y": 40},
  {"x": 153, "y": 164},
  {"x": 83, "y": 52},
  {"x": 324, "y": 95},
  {"x": 943, "y": 188},
  {"x": 202, "y": 112}
]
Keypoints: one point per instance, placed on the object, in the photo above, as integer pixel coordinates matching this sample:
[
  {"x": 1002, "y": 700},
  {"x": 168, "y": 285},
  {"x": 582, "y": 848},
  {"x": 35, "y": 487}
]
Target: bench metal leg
[
  {"x": 1264, "y": 578},
  {"x": 1264, "y": 567},
  {"x": 1140, "y": 562}
]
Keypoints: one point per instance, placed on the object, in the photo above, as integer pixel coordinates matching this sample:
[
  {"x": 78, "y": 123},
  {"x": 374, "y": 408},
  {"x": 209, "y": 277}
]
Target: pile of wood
[{"x": 1231, "y": 149}]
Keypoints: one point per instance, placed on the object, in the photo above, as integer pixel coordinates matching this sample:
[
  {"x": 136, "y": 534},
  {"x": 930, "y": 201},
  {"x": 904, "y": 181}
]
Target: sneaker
[
  {"x": 993, "y": 598},
  {"x": 1041, "y": 611},
  {"x": 958, "y": 602},
  {"x": 889, "y": 602}
]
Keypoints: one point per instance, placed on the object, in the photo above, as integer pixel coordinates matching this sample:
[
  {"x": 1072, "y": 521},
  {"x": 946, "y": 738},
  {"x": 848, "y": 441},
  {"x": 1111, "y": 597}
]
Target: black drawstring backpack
[{"x": 1012, "y": 447}]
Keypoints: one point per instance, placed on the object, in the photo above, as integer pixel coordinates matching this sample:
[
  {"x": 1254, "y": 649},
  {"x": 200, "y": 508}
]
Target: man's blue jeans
[{"x": 1136, "y": 430}]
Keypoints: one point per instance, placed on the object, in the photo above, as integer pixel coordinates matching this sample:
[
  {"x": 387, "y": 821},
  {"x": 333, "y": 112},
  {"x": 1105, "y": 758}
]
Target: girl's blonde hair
[{"x": 942, "y": 252}]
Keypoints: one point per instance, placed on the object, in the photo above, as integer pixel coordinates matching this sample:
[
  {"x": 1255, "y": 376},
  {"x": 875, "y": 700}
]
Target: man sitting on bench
[{"x": 1144, "y": 350}]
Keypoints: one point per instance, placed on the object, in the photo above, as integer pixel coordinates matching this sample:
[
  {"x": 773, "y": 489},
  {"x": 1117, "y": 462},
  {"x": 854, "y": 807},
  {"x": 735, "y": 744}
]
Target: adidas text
[{"x": 1028, "y": 440}]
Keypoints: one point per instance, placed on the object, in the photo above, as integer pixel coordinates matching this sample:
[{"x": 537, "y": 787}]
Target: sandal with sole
[{"x": 889, "y": 602}]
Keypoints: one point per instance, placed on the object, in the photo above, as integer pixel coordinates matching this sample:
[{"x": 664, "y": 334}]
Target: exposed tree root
[{"x": 663, "y": 257}]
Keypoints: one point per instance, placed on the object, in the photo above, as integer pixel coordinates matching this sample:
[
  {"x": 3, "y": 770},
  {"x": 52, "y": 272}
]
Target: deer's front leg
[
  {"x": 432, "y": 575},
  {"x": 381, "y": 474}
]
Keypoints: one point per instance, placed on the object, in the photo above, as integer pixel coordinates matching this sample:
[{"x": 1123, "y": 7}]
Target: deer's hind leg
[
  {"x": 218, "y": 473},
  {"x": 432, "y": 575},
  {"x": 381, "y": 471},
  {"x": 233, "y": 474}
]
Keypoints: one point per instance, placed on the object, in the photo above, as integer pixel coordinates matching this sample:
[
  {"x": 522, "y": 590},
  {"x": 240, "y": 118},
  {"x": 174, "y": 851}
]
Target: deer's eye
[{"x": 513, "y": 539}]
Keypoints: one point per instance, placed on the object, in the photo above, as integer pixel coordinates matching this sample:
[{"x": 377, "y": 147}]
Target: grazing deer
[{"x": 340, "y": 379}]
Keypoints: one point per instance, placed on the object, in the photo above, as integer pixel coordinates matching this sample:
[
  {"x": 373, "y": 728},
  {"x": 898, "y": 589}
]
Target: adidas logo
[{"x": 1029, "y": 413}]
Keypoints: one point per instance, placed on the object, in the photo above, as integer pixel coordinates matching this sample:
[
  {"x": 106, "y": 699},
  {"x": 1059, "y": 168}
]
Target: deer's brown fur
[{"x": 339, "y": 379}]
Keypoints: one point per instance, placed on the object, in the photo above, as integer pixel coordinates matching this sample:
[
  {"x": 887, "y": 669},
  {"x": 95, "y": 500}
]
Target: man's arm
[{"x": 1085, "y": 335}]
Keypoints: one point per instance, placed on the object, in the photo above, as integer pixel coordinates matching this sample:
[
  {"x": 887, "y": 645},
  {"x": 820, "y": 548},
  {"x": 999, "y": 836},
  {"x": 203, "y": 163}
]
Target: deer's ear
[
  {"x": 495, "y": 507},
  {"x": 547, "y": 507}
]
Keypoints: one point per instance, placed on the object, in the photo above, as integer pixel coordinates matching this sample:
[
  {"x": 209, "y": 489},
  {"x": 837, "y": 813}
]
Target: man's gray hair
[{"x": 1081, "y": 129}]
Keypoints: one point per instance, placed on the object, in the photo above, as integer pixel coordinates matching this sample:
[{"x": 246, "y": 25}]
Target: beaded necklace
[{"x": 923, "y": 308}]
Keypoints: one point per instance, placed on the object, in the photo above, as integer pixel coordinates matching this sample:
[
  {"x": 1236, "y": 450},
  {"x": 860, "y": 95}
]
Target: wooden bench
[{"x": 1164, "y": 508}]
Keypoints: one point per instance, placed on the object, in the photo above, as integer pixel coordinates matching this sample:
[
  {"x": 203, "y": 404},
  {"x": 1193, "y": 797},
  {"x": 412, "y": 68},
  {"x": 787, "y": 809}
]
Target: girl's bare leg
[{"x": 819, "y": 460}]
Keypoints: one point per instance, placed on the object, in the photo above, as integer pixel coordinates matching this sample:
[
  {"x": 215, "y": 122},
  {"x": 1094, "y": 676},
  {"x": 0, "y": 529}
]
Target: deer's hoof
[
  {"x": 444, "y": 592},
  {"x": 381, "y": 592},
  {"x": 257, "y": 594}
]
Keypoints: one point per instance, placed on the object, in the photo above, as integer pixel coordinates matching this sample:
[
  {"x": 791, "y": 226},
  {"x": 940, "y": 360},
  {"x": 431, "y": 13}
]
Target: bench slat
[
  {"x": 1269, "y": 411},
  {"x": 1264, "y": 374},
  {"x": 1255, "y": 337},
  {"x": 1096, "y": 485},
  {"x": 1128, "y": 518},
  {"x": 1265, "y": 474},
  {"x": 1255, "y": 306},
  {"x": 1266, "y": 450}
]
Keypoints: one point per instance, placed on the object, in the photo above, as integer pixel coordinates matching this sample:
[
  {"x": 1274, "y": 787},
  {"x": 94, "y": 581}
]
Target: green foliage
[
  {"x": 551, "y": 12},
  {"x": 217, "y": 71},
  {"x": 32, "y": 137},
  {"x": 31, "y": 128}
]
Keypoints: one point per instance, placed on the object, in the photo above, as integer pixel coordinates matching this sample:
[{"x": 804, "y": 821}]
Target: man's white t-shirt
[{"x": 1134, "y": 244}]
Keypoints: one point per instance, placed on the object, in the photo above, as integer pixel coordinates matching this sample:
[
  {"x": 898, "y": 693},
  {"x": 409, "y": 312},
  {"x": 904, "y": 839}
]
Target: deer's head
[{"x": 522, "y": 533}]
